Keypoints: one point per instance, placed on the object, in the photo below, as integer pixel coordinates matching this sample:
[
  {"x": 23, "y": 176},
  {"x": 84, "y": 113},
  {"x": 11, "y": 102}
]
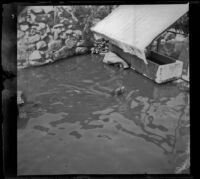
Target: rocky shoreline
[{"x": 46, "y": 33}]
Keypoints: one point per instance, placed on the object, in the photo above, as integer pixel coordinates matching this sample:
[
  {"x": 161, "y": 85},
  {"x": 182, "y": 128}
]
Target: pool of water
[{"x": 71, "y": 124}]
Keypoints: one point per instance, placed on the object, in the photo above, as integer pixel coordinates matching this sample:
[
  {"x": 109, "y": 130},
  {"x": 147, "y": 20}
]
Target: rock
[
  {"x": 42, "y": 18},
  {"x": 21, "y": 20},
  {"x": 47, "y": 29},
  {"x": 54, "y": 45},
  {"x": 81, "y": 50},
  {"x": 58, "y": 26},
  {"x": 69, "y": 31},
  {"x": 31, "y": 18},
  {"x": 81, "y": 43},
  {"x": 56, "y": 34},
  {"x": 62, "y": 53},
  {"x": 70, "y": 42},
  {"x": 41, "y": 26},
  {"x": 34, "y": 38},
  {"x": 37, "y": 9},
  {"x": 20, "y": 101},
  {"x": 63, "y": 35},
  {"x": 112, "y": 58},
  {"x": 48, "y": 9},
  {"x": 41, "y": 45},
  {"x": 78, "y": 33},
  {"x": 24, "y": 27},
  {"x": 44, "y": 36},
  {"x": 65, "y": 22},
  {"x": 20, "y": 34},
  {"x": 31, "y": 47},
  {"x": 70, "y": 26},
  {"x": 49, "y": 61},
  {"x": 35, "y": 55}
]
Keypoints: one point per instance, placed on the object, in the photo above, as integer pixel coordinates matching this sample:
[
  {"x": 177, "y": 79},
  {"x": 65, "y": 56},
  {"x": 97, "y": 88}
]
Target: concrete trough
[{"x": 160, "y": 68}]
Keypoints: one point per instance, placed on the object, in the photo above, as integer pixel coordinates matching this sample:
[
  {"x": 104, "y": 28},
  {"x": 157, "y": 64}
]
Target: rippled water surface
[{"x": 72, "y": 124}]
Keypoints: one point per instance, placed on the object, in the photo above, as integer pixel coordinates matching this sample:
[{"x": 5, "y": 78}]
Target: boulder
[
  {"x": 24, "y": 27},
  {"x": 35, "y": 55},
  {"x": 34, "y": 39},
  {"x": 70, "y": 42},
  {"x": 81, "y": 50},
  {"x": 54, "y": 45},
  {"x": 112, "y": 58},
  {"x": 62, "y": 53},
  {"x": 41, "y": 45}
]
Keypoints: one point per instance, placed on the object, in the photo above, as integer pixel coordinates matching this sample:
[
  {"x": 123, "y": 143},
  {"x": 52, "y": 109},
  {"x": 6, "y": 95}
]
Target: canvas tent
[{"x": 134, "y": 27}]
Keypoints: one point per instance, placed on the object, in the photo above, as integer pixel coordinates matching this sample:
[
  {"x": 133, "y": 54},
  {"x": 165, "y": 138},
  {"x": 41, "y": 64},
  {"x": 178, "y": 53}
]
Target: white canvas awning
[{"x": 134, "y": 27}]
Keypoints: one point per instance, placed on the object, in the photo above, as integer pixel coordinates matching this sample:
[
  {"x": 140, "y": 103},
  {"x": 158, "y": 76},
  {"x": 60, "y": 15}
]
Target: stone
[
  {"x": 44, "y": 36},
  {"x": 63, "y": 35},
  {"x": 37, "y": 9},
  {"x": 31, "y": 47},
  {"x": 81, "y": 50},
  {"x": 20, "y": 34},
  {"x": 58, "y": 26},
  {"x": 81, "y": 43},
  {"x": 112, "y": 58},
  {"x": 62, "y": 53},
  {"x": 24, "y": 27},
  {"x": 34, "y": 39},
  {"x": 42, "y": 18},
  {"x": 41, "y": 45},
  {"x": 78, "y": 32},
  {"x": 70, "y": 42},
  {"x": 70, "y": 26},
  {"x": 35, "y": 55},
  {"x": 48, "y": 9},
  {"x": 54, "y": 45},
  {"x": 69, "y": 31},
  {"x": 20, "y": 100},
  {"x": 21, "y": 20},
  {"x": 47, "y": 29},
  {"x": 41, "y": 26}
]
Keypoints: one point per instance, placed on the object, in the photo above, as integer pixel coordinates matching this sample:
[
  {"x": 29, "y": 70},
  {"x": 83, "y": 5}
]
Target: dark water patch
[
  {"x": 58, "y": 122},
  {"x": 75, "y": 134},
  {"x": 104, "y": 136},
  {"x": 41, "y": 128},
  {"x": 51, "y": 133}
]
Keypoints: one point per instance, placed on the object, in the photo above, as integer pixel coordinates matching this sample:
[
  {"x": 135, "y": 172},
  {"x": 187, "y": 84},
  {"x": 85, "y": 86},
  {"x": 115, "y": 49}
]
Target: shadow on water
[{"x": 72, "y": 107}]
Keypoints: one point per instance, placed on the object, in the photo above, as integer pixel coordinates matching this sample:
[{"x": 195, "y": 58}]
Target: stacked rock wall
[{"x": 47, "y": 33}]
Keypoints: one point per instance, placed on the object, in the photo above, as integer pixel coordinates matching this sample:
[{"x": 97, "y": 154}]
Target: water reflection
[{"x": 75, "y": 108}]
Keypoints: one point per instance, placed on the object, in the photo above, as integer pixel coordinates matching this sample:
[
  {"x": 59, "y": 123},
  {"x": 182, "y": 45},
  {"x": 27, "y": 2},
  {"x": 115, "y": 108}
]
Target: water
[{"x": 72, "y": 125}]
